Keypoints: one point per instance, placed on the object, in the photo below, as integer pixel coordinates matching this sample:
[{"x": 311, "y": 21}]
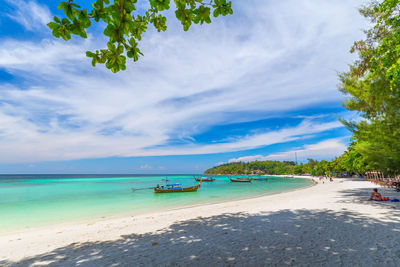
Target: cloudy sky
[{"x": 259, "y": 84}]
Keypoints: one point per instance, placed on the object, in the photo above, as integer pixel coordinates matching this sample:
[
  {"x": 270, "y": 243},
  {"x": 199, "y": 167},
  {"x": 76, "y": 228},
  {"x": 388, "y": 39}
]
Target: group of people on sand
[{"x": 321, "y": 179}]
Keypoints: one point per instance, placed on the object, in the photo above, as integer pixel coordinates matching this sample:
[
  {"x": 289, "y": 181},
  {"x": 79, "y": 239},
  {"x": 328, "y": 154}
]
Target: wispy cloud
[
  {"x": 256, "y": 61},
  {"x": 30, "y": 14},
  {"x": 304, "y": 130},
  {"x": 326, "y": 149},
  {"x": 27, "y": 142}
]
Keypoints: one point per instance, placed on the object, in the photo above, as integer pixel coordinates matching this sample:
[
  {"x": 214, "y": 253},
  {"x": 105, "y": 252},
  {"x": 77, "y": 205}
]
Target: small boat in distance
[
  {"x": 240, "y": 180},
  {"x": 260, "y": 179},
  {"x": 175, "y": 188},
  {"x": 204, "y": 179}
]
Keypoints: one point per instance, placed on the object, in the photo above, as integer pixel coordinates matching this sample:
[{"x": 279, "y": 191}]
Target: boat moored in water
[
  {"x": 259, "y": 179},
  {"x": 176, "y": 188},
  {"x": 240, "y": 180},
  {"x": 204, "y": 179}
]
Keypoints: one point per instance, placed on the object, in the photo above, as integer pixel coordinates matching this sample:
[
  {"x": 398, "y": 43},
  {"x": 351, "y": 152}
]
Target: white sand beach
[{"x": 330, "y": 224}]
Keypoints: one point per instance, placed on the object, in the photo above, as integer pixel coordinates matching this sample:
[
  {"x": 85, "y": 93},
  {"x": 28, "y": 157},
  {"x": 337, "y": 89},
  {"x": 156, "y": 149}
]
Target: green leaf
[
  {"x": 53, "y": 25},
  {"x": 62, "y": 5},
  {"x": 109, "y": 30},
  {"x": 89, "y": 54},
  {"x": 216, "y": 12}
]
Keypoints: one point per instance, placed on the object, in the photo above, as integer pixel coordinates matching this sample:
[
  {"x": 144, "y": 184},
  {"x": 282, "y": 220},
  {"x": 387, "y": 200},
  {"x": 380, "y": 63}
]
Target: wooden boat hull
[
  {"x": 204, "y": 180},
  {"x": 259, "y": 179},
  {"x": 177, "y": 190},
  {"x": 240, "y": 180}
]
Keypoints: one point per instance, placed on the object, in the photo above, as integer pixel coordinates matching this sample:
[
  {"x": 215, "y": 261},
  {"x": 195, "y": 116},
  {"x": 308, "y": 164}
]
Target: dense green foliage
[
  {"x": 373, "y": 87},
  {"x": 125, "y": 24},
  {"x": 261, "y": 167},
  {"x": 350, "y": 162}
]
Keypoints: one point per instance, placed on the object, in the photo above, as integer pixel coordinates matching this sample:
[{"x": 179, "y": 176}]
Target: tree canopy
[
  {"x": 373, "y": 88},
  {"x": 125, "y": 24}
]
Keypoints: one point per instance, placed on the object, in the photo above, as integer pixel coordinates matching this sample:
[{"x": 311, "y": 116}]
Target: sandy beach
[{"x": 329, "y": 224}]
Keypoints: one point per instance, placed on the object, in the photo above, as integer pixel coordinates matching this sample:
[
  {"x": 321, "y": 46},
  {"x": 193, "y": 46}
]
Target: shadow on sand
[
  {"x": 360, "y": 196},
  {"x": 303, "y": 237}
]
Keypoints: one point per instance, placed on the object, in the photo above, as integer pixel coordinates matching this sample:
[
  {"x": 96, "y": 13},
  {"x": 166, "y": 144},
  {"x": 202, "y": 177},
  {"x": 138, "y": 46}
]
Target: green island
[{"x": 350, "y": 163}]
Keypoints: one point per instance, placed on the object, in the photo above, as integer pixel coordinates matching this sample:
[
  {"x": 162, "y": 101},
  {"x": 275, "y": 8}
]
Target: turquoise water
[{"x": 33, "y": 201}]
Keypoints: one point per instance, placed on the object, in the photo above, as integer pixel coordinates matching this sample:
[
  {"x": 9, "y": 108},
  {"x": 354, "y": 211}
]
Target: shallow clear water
[{"x": 34, "y": 201}]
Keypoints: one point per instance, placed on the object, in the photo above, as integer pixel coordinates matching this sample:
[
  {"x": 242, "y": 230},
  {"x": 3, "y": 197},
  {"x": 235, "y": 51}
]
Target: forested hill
[
  {"x": 347, "y": 163},
  {"x": 256, "y": 167}
]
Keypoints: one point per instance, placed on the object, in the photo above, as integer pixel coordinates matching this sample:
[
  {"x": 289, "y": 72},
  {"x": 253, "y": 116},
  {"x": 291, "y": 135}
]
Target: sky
[{"x": 260, "y": 84}]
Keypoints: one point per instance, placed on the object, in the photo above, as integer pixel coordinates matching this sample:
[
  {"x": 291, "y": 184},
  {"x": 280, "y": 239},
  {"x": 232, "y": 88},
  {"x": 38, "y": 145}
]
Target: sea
[{"x": 34, "y": 201}]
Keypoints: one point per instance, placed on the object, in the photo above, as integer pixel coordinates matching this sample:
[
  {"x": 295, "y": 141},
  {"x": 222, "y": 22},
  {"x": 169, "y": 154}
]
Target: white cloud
[
  {"x": 30, "y": 14},
  {"x": 145, "y": 167},
  {"x": 256, "y": 62},
  {"x": 326, "y": 149},
  {"x": 304, "y": 130}
]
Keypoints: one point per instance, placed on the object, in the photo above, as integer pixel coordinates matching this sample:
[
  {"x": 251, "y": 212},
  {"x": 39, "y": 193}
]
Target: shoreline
[
  {"x": 321, "y": 198},
  {"x": 148, "y": 213}
]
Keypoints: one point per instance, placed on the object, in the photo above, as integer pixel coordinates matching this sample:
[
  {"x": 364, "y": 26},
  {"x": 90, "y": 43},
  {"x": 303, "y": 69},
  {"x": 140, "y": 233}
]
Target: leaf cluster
[{"x": 125, "y": 24}]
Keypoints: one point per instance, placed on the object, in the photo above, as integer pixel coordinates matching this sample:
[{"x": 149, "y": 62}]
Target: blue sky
[{"x": 258, "y": 85}]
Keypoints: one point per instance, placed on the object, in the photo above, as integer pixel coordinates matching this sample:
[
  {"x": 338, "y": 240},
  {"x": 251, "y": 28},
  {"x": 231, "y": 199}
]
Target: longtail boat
[
  {"x": 259, "y": 179},
  {"x": 176, "y": 188},
  {"x": 240, "y": 180},
  {"x": 204, "y": 179}
]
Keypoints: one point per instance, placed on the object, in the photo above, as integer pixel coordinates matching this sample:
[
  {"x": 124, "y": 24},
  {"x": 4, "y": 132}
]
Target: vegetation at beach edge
[
  {"x": 349, "y": 163},
  {"x": 372, "y": 89}
]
